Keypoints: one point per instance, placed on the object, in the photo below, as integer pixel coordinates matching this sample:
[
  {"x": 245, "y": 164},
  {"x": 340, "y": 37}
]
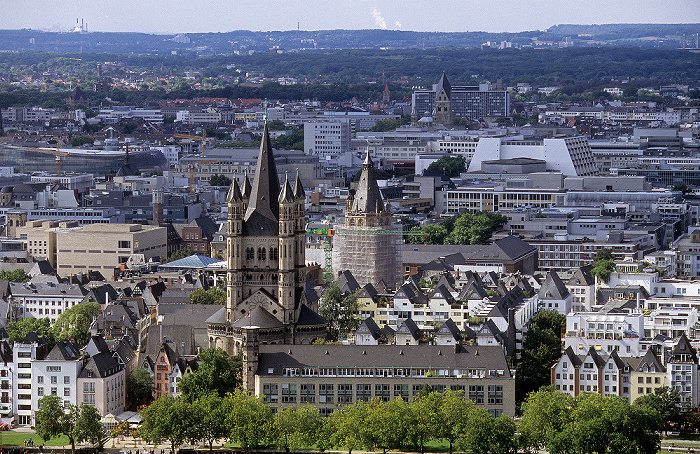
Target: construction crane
[
  {"x": 202, "y": 138},
  {"x": 57, "y": 153},
  {"x": 328, "y": 234},
  {"x": 197, "y": 164}
]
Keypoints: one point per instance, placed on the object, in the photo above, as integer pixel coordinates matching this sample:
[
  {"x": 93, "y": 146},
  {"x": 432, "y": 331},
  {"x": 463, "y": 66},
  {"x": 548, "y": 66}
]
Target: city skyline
[{"x": 447, "y": 16}]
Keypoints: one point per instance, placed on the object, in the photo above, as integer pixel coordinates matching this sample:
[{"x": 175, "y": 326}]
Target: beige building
[
  {"x": 332, "y": 376},
  {"x": 104, "y": 247},
  {"x": 649, "y": 375},
  {"x": 41, "y": 238}
]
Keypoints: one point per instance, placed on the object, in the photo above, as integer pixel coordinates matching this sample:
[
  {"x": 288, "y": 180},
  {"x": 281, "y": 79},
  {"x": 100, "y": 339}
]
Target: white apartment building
[
  {"x": 24, "y": 353},
  {"x": 57, "y": 374},
  {"x": 326, "y": 138},
  {"x": 36, "y": 299},
  {"x": 670, "y": 322},
  {"x": 604, "y": 332}
]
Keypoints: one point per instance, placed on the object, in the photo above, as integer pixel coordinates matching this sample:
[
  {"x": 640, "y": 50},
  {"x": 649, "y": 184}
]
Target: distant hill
[{"x": 243, "y": 41}]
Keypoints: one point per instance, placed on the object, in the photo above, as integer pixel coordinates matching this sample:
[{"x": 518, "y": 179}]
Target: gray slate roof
[{"x": 273, "y": 359}]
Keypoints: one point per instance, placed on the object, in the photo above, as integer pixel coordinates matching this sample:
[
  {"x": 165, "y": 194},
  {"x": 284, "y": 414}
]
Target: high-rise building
[
  {"x": 368, "y": 245},
  {"x": 266, "y": 276},
  {"x": 444, "y": 102}
]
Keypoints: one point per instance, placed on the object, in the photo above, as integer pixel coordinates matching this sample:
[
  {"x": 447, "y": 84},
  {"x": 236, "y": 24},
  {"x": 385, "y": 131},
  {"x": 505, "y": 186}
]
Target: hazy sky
[{"x": 178, "y": 16}]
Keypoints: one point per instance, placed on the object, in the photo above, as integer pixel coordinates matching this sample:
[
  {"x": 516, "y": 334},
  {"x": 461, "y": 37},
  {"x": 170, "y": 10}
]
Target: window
[
  {"x": 250, "y": 253},
  {"x": 54, "y": 379},
  {"x": 289, "y": 393},
  {"x": 383, "y": 392},
  {"x": 270, "y": 393},
  {"x": 307, "y": 393},
  {"x": 89, "y": 399},
  {"x": 476, "y": 393},
  {"x": 88, "y": 387},
  {"x": 364, "y": 392},
  {"x": 123, "y": 244},
  {"x": 66, "y": 392},
  {"x": 345, "y": 394},
  {"x": 66, "y": 379},
  {"x": 261, "y": 253},
  {"x": 495, "y": 394},
  {"x": 325, "y": 393},
  {"x": 401, "y": 391}
]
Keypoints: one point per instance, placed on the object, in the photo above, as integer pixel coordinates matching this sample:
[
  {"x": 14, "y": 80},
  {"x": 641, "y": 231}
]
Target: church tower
[
  {"x": 266, "y": 273},
  {"x": 443, "y": 102},
  {"x": 368, "y": 244}
]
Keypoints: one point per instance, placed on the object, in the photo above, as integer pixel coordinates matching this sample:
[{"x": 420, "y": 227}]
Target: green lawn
[{"x": 17, "y": 439}]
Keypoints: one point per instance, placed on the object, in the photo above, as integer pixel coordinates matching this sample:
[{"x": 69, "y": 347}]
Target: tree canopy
[
  {"x": 78, "y": 423},
  {"x": 140, "y": 386},
  {"x": 214, "y": 295},
  {"x": 341, "y": 311},
  {"x": 465, "y": 228},
  {"x": 16, "y": 275},
  {"x": 589, "y": 423},
  {"x": 219, "y": 180},
  {"x": 451, "y": 166},
  {"x": 74, "y": 323},
  {"x": 19, "y": 329},
  {"x": 541, "y": 349},
  {"x": 217, "y": 373}
]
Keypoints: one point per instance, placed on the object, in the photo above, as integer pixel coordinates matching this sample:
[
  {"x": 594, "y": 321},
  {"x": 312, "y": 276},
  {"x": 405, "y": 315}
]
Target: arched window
[
  {"x": 250, "y": 253},
  {"x": 274, "y": 253},
  {"x": 262, "y": 252}
]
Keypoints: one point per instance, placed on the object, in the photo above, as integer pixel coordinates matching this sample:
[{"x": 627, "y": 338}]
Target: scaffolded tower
[{"x": 368, "y": 243}]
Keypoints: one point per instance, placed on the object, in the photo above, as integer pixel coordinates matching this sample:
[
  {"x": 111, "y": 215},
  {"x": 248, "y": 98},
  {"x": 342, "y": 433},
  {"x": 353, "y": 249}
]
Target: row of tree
[
  {"x": 247, "y": 421},
  {"x": 589, "y": 423},
  {"x": 80, "y": 423},
  {"x": 73, "y": 324},
  {"x": 465, "y": 228}
]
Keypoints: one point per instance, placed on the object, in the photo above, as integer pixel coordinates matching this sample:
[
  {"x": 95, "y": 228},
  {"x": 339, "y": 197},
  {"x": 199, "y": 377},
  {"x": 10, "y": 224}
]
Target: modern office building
[{"x": 444, "y": 102}]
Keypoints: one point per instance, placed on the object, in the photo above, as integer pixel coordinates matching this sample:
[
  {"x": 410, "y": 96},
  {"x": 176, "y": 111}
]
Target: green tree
[
  {"x": 666, "y": 401},
  {"x": 214, "y": 295},
  {"x": 166, "y": 419},
  {"x": 603, "y": 254},
  {"x": 455, "y": 412},
  {"x": 428, "y": 420},
  {"x": 541, "y": 349},
  {"x": 217, "y": 373},
  {"x": 219, "y": 180},
  {"x": 387, "y": 425},
  {"x": 48, "y": 417},
  {"x": 18, "y": 330},
  {"x": 140, "y": 388},
  {"x": 341, "y": 312},
  {"x": 451, "y": 166},
  {"x": 74, "y": 323},
  {"x": 545, "y": 415},
  {"x": 429, "y": 234},
  {"x": 502, "y": 437},
  {"x": 345, "y": 427},
  {"x": 88, "y": 427},
  {"x": 297, "y": 428},
  {"x": 248, "y": 419},
  {"x": 603, "y": 269},
  {"x": 16, "y": 275},
  {"x": 208, "y": 420},
  {"x": 477, "y": 436},
  {"x": 179, "y": 254}
]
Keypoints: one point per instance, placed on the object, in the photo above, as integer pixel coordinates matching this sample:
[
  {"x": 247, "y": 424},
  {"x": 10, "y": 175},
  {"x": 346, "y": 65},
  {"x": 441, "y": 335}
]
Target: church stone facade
[{"x": 265, "y": 287}]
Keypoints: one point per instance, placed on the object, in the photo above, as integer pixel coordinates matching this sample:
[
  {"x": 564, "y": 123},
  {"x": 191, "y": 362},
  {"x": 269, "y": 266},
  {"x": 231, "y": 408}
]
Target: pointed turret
[
  {"x": 286, "y": 195},
  {"x": 299, "y": 193},
  {"x": 262, "y": 214},
  {"x": 246, "y": 188},
  {"x": 368, "y": 199},
  {"x": 234, "y": 193}
]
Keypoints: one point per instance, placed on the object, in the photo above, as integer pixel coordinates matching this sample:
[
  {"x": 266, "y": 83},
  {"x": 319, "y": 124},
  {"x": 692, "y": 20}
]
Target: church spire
[
  {"x": 298, "y": 188},
  {"x": 266, "y": 187},
  {"x": 286, "y": 195},
  {"x": 234, "y": 193},
  {"x": 368, "y": 199}
]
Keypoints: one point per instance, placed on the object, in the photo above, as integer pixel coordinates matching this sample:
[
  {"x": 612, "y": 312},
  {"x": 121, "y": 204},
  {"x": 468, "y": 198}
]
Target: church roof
[
  {"x": 299, "y": 193},
  {"x": 262, "y": 216},
  {"x": 246, "y": 189},
  {"x": 234, "y": 193},
  {"x": 367, "y": 199},
  {"x": 258, "y": 317},
  {"x": 444, "y": 84},
  {"x": 286, "y": 195}
]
